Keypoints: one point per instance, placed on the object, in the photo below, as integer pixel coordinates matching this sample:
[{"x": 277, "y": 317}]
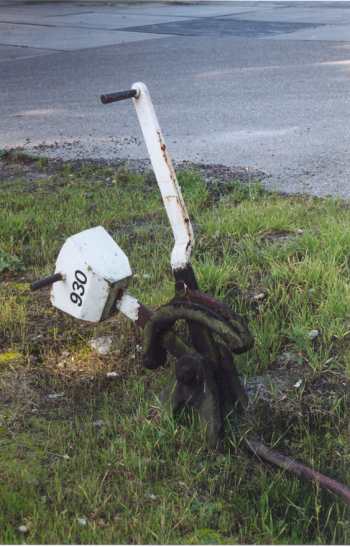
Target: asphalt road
[{"x": 259, "y": 85}]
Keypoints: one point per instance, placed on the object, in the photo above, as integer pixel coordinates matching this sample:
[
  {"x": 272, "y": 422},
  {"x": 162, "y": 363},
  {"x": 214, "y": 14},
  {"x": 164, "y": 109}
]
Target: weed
[{"x": 9, "y": 263}]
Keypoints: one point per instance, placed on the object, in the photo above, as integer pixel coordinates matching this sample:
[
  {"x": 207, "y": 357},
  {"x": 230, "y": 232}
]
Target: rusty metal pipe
[
  {"x": 46, "y": 281},
  {"x": 299, "y": 469}
]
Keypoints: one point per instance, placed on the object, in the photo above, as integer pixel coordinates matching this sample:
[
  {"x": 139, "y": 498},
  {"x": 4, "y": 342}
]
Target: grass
[{"x": 91, "y": 459}]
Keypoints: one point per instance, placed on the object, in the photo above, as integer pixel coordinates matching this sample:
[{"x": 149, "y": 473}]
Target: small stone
[
  {"x": 55, "y": 395},
  {"x": 23, "y": 529},
  {"x": 151, "y": 496},
  {"x": 314, "y": 333},
  {"x": 112, "y": 374},
  {"x": 101, "y": 345}
]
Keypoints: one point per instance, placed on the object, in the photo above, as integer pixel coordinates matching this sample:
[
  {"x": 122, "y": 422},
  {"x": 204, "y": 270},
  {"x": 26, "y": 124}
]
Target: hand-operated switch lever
[{"x": 91, "y": 280}]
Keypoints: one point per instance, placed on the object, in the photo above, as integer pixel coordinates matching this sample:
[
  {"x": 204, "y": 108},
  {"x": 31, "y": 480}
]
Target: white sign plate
[{"x": 94, "y": 267}]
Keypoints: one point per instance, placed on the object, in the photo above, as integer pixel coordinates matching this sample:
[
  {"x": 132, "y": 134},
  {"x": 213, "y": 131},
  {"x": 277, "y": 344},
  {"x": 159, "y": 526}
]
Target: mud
[{"x": 16, "y": 164}]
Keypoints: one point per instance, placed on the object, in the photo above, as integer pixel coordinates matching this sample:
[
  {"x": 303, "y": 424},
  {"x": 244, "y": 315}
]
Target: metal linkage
[
  {"x": 205, "y": 379},
  {"x": 230, "y": 327}
]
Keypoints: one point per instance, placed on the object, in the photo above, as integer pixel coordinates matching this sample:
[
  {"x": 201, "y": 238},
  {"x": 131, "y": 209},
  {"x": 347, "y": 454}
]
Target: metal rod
[
  {"x": 47, "y": 281},
  {"x": 289, "y": 464},
  {"x": 118, "y": 96},
  {"x": 166, "y": 178},
  {"x": 141, "y": 315}
]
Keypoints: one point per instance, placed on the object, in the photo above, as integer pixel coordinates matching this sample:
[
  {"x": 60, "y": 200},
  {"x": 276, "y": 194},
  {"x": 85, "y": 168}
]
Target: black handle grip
[
  {"x": 118, "y": 96},
  {"x": 46, "y": 281}
]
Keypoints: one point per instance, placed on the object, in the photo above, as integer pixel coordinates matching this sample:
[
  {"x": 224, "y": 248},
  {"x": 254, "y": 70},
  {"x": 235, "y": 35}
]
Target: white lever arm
[{"x": 166, "y": 178}]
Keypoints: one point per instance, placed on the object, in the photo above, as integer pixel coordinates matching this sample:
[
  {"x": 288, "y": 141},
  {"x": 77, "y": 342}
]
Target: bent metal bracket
[{"x": 91, "y": 283}]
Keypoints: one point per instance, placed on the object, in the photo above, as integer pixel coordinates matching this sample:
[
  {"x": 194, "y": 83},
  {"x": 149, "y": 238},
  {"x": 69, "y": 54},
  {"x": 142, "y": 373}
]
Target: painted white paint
[
  {"x": 94, "y": 269},
  {"x": 166, "y": 177},
  {"x": 129, "y": 306}
]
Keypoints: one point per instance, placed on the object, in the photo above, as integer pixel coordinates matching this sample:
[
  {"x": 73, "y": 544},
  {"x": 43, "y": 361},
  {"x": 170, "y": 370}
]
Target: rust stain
[{"x": 172, "y": 173}]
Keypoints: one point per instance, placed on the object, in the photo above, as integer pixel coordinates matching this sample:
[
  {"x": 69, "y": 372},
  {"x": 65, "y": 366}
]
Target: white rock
[
  {"x": 112, "y": 374},
  {"x": 102, "y": 345},
  {"x": 55, "y": 395},
  {"x": 313, "y": 334},
  {"x": 23, "y": 529},
  {"x": 259, "y": 296},
  {"x": 151, "y": 496}
]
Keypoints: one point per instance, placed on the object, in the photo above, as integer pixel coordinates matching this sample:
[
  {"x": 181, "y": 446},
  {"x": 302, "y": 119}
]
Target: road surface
[{"x": 260, "y": 85}]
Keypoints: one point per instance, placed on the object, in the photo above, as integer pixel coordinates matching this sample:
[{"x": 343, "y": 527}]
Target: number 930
[{"x": 78, "y": 287}]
